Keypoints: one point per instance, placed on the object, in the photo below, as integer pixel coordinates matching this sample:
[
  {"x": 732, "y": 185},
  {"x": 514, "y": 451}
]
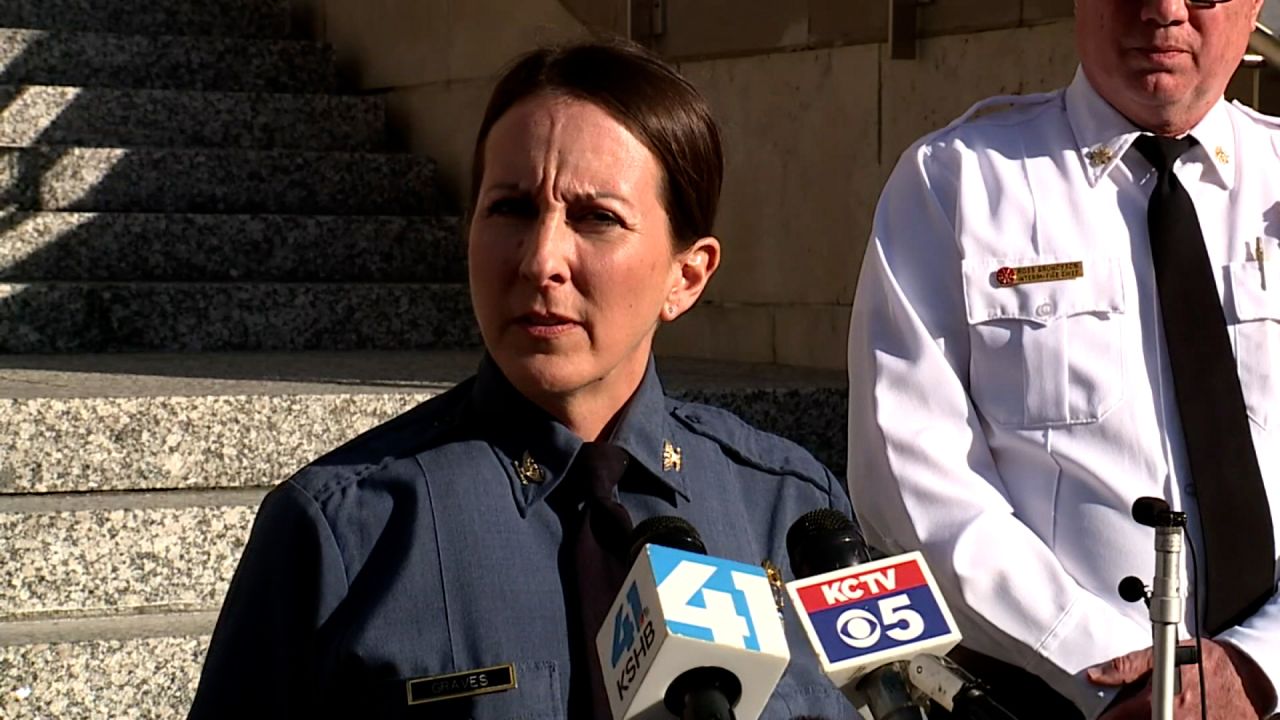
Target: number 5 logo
[{"x": 859, "y": 628}]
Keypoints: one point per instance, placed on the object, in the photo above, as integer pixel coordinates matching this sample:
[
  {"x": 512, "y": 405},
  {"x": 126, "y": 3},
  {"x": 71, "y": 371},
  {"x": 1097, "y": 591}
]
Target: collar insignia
[
  {"x": 529, "y": 470},
  {"x": 672, "y": 457},
  {"x": 1222, "y": 155},
  {"x": 1099, "y": 156}
]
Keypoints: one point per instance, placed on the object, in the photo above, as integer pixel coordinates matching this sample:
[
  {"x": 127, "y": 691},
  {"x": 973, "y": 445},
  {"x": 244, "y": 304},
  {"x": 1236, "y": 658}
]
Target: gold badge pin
[
  {"x": 529, "y": 470},
  {"x": 463, "y": 684},
  {"x": 1222, "y": 155},
  {"x": 672, "y": 457},
  {"x": 774, "y": 574},
  {"x": 1099, "y": 156},
  {"x": 1010, "y": 276}
]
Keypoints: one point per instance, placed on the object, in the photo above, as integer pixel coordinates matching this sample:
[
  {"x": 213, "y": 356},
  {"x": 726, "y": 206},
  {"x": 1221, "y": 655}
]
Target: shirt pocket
[
  {"x": 1048, "y": 353},
  {"x": 1254, "y": 319},
  {"x": 536, "y": 696}
]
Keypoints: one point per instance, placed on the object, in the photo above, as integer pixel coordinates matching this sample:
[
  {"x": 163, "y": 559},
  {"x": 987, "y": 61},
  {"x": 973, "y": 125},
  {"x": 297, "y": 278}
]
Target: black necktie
[
  {"x": 1235, "y": 517},
  {"x": 600, "y": 559}
]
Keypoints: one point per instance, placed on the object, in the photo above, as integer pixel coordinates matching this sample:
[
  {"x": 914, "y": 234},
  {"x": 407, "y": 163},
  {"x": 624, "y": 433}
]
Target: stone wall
[{"x": 814, "y": 113}]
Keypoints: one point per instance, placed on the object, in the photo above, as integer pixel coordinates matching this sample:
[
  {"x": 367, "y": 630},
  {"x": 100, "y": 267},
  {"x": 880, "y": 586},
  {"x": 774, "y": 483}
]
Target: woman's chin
[{"x": 542, "y": 376}]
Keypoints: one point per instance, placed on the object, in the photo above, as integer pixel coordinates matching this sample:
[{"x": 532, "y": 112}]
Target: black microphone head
[
  {"x": 1132, "y": 589},
  {"x": 667, "y": 531},
  {"x": 1147, "y": 510},
  {"x": 824, "y": 540}
]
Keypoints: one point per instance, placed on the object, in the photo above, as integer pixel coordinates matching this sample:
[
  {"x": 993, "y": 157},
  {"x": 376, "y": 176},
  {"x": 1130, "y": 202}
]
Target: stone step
[
  {"x": 192, "y": 317},
  {"x": 69, "y": 246},
  {"x": 239, "y": 18},
  {"x": 145, "y": 667},
  {"x": 133, "y": 422},
  {"x": 104, "y": 117},
  {"x": 38, "y": 57},
  {"x": 119, "y": 554},
  {"x": 217, "y": 181}
]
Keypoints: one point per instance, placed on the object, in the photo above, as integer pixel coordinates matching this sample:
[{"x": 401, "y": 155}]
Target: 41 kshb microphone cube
[{"x": 679, "y": 611}]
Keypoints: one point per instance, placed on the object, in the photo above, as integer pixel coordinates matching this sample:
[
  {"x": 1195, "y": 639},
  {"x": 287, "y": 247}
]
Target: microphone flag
[
  {"x": 680, "y": 610},
  {"x": 860, "y": 618}
]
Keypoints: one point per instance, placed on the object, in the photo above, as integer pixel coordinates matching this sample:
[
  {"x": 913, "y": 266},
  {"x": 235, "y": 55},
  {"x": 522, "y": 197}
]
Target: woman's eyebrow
[{"x": 588, "y": 195}]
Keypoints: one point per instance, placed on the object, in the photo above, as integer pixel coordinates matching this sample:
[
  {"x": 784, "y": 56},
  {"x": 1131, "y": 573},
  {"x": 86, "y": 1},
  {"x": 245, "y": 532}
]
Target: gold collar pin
[{"x": 672, "y": 457}]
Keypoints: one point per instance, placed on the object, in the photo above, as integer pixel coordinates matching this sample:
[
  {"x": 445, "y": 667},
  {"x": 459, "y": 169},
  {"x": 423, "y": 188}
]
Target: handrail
[{"x": 1266, "y": 43}]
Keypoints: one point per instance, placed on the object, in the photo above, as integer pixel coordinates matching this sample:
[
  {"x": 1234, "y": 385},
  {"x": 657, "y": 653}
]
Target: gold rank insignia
[
  {"x": 1099, "y": 156},
  {"x": 1010, "y": 276},
  {"x": 672, "y": 457},
  {"x": 529, "y": 470},
  {"x": 1222, "y": 155}
]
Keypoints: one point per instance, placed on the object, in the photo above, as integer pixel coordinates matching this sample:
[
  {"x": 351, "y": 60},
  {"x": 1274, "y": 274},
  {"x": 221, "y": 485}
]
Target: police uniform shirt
[
  {"x": 1007, "y": 429},
  {"x": 428, "y": 547}
]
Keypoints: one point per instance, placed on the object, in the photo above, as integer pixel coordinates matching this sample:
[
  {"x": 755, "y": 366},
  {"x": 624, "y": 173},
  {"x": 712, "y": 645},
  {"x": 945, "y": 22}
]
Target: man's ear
[{"x": 695, "y": 266}]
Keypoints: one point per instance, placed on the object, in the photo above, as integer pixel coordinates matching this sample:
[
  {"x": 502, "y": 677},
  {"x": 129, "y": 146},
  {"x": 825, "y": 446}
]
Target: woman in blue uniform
[{"x": 463, "y": 549}]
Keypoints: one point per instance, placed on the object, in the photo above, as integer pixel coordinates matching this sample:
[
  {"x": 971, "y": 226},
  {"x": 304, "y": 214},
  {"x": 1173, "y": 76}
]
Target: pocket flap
[
  {"x": 1249, "y": 299},
  {"x": 1100, "y": 290}
]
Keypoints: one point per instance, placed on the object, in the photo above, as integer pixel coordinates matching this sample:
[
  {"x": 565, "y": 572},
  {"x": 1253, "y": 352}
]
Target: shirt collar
[
  {"x": 536, "y": 450},
  {"x": 1103, "y": 135}
]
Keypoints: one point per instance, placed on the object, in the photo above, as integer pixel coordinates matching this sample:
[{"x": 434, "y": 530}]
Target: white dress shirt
[{"x": 1006, "y": 431}]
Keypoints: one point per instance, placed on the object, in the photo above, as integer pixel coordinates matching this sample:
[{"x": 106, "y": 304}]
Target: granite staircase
[{"x": 213, "y": 267}]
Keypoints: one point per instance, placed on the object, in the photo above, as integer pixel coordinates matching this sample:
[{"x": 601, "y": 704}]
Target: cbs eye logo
[{"x": 859, "y": 628}]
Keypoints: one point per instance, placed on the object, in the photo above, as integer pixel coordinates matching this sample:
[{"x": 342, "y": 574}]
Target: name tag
[
  {"x": 1010, "y": 276},
  {"x": 463, "y": 684}
]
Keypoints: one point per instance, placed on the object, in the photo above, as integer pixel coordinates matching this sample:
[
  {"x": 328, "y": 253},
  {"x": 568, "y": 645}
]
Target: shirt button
[{"x": 1044, "y": 310}]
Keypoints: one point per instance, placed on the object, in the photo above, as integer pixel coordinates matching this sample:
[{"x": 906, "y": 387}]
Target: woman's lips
[{"x": 545, "y": 325}]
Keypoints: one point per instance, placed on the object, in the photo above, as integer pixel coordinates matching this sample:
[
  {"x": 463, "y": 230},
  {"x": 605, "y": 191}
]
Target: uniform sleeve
[
  {"x": 1259, "y": 638},
  {"x": 289, "y": 579},
  {"x": 921, "y": 473}
]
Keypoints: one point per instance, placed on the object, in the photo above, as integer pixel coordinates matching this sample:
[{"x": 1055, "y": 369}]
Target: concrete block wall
[
  {"x": 811, "y": 135},
  {"x": 814, "y": 113}
]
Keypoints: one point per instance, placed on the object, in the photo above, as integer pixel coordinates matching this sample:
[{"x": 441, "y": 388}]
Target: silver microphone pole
[{"x": 1166, "y": 605}]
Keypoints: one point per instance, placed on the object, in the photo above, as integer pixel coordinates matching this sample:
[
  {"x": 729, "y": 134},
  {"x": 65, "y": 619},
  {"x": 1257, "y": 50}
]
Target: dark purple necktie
[
  {"x": 1235, "y": 517},
  {"x": 600, "y": 555}
]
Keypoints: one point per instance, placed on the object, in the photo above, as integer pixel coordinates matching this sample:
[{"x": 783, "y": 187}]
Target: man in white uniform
[{"x": 1028, "y": 356}]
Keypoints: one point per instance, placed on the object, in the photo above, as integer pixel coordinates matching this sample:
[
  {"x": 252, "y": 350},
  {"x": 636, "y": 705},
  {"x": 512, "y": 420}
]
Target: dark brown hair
[{"x": 646, "y": 96}]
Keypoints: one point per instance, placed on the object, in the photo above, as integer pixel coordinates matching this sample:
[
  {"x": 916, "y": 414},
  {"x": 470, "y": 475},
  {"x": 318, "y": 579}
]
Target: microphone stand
[
  {"x": 955, "y": 690},
  {"x": 1165, "y": 602},
  {"x": 886, "y": 694}
]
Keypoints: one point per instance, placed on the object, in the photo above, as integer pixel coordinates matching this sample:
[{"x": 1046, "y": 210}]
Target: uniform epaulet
[
  {"x": 1270, "y": 122},
  {"x": 1000, "y": 103},
  {"x": 429, "y": 424},
  {"x": 751, "y": 446}
]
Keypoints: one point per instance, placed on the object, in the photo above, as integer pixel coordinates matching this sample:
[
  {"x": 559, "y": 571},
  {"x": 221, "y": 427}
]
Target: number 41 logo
[
  {"x": 630, "y": 618},
  {"x": 705, "y": 601}
]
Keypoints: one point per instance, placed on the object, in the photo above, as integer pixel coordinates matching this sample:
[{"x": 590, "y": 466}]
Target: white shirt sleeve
[
  {"x": 921, "y": 473},
  {"x": 1259, "y": 638}
]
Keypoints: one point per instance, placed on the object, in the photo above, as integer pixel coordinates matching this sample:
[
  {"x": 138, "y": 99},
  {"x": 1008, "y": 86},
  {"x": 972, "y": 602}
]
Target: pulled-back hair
[{"x": 648, "y": 97}]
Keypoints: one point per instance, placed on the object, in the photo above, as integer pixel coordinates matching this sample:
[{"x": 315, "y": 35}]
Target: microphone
[
  {"x": 1165, "y": 604},
  {"x": 690, "y": 636},
  {"x": 865, "y": 620}
]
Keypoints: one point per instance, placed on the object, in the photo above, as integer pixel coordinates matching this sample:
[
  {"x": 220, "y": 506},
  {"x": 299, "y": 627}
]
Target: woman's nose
[{"x": 547, "y": 251}]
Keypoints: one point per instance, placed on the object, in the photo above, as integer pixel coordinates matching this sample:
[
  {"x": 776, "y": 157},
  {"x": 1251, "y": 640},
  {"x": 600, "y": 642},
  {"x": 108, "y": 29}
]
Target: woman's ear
[{"x": 694, "y": 266}]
